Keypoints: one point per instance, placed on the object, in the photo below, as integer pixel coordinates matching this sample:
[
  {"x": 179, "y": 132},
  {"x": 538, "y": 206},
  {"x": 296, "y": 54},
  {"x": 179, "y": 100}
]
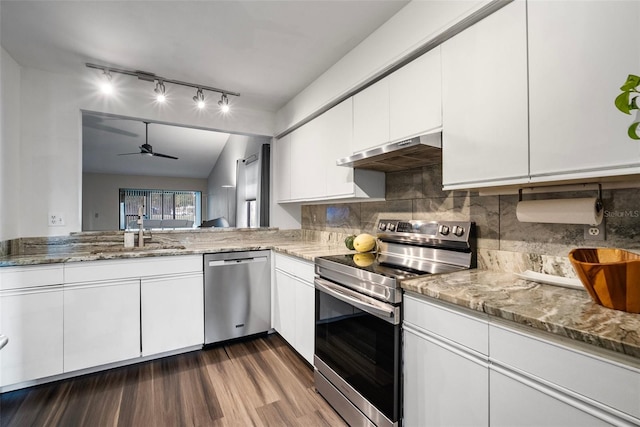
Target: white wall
[
  {"x": 221, "y": 201},
  {"x": 414, "y": 25},
  {"x": 100, "y": 195},
  {"x": 9, "y": 147},
  {"x": 50, "y": 159}
]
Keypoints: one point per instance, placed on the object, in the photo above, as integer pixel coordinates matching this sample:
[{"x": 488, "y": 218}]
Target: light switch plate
[{"x": 55, "y": 219}]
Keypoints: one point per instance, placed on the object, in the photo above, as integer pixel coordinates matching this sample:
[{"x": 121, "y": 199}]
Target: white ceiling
[
  {"x": 268, "y": 51},
  {"x": 104, "y": 138}
]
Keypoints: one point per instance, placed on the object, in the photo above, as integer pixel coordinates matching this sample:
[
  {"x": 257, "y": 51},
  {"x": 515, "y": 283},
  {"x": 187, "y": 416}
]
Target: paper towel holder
[
  {"x": 569, "y": 188},
  {"x": 562, "y": 211}
]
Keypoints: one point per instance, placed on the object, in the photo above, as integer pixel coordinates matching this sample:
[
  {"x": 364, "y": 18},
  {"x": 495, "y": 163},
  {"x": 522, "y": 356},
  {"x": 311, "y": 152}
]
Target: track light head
[
  {"x": 106, "y": 86},
  {"x": 199, "y": 99},
  {"x": 160, "y": 91},
  {"x": 224, "y": 103}
]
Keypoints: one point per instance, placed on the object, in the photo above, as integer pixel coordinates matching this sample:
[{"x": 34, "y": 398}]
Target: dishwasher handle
[{"x": 237, "y": 261}]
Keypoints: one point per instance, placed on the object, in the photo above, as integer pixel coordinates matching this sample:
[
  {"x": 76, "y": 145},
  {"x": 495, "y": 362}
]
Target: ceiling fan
[{"x": 146, "y": 149}]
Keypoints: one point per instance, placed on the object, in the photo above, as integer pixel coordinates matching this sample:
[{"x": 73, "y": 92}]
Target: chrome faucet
[{"x": 141, "y": 226}]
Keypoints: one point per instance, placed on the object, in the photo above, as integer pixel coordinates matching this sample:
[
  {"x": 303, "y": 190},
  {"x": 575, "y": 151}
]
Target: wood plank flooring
[{"x": 259, "y": 382}]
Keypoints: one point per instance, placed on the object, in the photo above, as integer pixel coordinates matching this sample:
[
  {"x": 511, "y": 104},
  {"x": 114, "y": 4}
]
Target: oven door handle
[{"x": 386, "y": 312}]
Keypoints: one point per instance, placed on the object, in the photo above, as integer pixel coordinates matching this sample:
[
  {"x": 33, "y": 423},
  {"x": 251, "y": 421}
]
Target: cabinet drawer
[
  {"x": 613, "y": 384},
  {"x": 466, "y": 329},
  {"x": 131, "y": 268},
  {"x": 24, "y": 277},
  {"x": 299, "y": 268}
]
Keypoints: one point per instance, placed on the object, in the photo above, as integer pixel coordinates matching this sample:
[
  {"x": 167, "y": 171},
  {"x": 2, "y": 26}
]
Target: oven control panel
[{"x": 431, "y": 230}]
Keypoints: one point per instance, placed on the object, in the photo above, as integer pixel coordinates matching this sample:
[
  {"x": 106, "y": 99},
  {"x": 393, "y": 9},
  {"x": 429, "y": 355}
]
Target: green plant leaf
[
  {"x": 622, "y": 102},
  {"x": 633, "y": 131},
  {"x": 631, "y": 83},
  {"x": 633, "y": 105}
]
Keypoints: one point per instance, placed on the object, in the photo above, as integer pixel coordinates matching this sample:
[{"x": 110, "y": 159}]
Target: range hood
[{"x": 423, "y": 150}]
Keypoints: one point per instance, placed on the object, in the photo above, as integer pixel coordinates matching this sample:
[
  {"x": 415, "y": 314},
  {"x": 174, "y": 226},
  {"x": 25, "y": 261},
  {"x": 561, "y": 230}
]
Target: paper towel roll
[{"x": 561, "y": 211}]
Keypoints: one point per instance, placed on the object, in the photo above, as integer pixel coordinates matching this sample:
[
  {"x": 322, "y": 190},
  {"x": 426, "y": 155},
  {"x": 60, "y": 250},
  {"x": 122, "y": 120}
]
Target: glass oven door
[{"x": 359, "y": 339}]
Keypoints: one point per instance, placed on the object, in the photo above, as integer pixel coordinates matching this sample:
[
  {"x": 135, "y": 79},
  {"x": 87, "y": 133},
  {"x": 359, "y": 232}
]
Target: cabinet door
[
  {"x": 516, "y": 404},
  {"x": 172, "y": 313},
  {"x": 101, "y": 323},
  {"x": 305, "y": 319},
  {"x": 307, "y": 165},
  {"x": 337, "y": 139},
  {"x": 32, "y": 319},
  {"x": 371, "y": 116},
  {"x": 442, "y": 385},
  {"x": 484, "y": 102},
  {"x": 282, "y": 169},
  {"x": 284, "y": 315},
  {"x": 580, "y": 53},
  {"x": 415, "y": 96}
]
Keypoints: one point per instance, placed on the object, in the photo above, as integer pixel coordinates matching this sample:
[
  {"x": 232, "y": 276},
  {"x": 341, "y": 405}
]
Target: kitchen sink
[{"x": 147, "y": 247}]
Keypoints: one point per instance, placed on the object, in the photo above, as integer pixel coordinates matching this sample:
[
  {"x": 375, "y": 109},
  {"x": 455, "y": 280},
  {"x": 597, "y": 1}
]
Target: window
[{"x": 162, "y": 208}]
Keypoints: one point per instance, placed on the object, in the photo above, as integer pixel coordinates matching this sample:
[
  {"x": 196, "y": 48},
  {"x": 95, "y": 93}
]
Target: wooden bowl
[{"x": 611, "y": 276}]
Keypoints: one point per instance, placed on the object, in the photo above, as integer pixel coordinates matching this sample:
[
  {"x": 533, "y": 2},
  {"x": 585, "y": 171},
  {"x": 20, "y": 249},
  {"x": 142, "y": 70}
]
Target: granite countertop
[
  {"x": 570, "y": 313},
  {"x": 301, "y": 249}
]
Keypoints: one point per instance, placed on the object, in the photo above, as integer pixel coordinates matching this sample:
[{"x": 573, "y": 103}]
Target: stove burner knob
[
  {"x": 382, "y": 226},
  {"x": 444, "y": 230},
  {"x": 391, "y": 226},
  {"x": 457, "y": 230}
]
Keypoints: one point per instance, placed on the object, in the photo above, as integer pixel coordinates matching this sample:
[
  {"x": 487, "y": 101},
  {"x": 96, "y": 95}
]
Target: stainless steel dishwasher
[{"x": 237, "y": 294}]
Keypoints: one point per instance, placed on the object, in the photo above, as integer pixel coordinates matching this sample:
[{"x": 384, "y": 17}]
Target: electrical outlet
[
  {"x": 55, "y": 219},
  {"x": 594, "y": 232}
]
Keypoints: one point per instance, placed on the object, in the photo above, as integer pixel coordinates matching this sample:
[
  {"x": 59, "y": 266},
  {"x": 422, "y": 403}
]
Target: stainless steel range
[{"x": 359, "y": 314}]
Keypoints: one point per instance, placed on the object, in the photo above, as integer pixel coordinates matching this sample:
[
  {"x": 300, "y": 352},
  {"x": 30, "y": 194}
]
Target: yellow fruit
[
  {"x": 364, "y": 243},
  {"x": 364, "y": 259}
]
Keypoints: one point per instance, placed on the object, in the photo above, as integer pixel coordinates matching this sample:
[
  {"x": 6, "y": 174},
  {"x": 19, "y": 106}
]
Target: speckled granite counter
[
  {"x": 566, "y": 312},
  {"x": 94, "y": 247}
]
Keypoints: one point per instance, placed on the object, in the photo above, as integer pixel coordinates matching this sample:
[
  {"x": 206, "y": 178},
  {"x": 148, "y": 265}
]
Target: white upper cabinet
[
  {"x": 311, "y": 151},
  {"x": 580, "y": 53},
  {"x": 371, "y": 116},
  {"x": 415, "y": 97},
  {"x": 404, "y": 104},
  {"x": 484, "y": 102},
  {"x": 308, "y": 174},
  {"x": 282, "y": 168},
  {"x": 337, "y": 137}
]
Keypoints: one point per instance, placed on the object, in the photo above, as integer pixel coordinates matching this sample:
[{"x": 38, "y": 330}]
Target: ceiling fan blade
[
  {"x": 128, "y": 154},
  {"x": 165, "y": 156}
]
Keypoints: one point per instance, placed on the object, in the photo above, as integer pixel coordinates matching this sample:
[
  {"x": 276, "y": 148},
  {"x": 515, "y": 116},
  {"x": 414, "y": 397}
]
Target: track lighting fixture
[
  {"x": 106, "y": 86},
  {"x": 224, "y": 103},
  {"x": 160, "y": 91},
  {"x": 199, "y": 99}
]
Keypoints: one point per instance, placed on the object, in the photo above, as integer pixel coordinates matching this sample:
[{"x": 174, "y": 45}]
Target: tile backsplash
[{"x": 503, "y": 241}]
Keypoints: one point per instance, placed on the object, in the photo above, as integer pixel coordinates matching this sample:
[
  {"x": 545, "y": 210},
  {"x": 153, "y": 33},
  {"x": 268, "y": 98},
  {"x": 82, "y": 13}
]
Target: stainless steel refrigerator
[{"x": 252, "y": 190}]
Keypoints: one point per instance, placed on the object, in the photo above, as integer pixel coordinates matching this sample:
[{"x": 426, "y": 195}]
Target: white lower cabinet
[
  {"x": 515, "y": 404},
  {"x": 293, "y": 304},
  {"x": 446, "y": 382},
  {"x": 101, "y": 323},
  {"x": 463, "y": 368},
  {"x": 32, "y": 319},
  {"x": 172, "y": 313}
]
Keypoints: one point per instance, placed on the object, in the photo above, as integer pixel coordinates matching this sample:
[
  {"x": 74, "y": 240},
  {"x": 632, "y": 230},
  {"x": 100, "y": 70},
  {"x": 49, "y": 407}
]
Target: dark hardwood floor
[{"x": 259, "y": 382}]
